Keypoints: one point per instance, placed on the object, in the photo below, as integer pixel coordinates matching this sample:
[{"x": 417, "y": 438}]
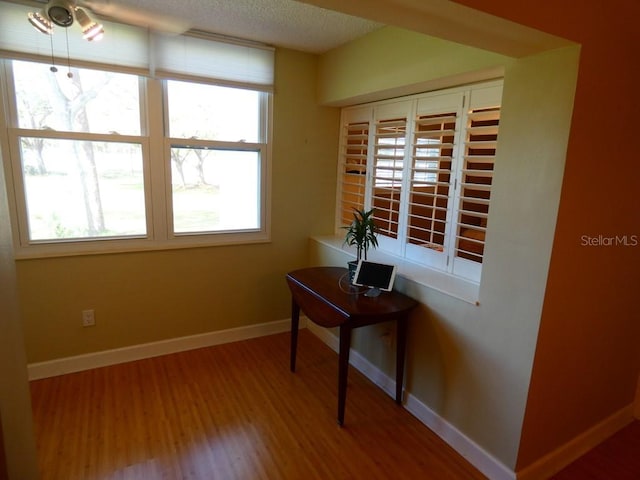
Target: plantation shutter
[
  {"x": 387, "y": 174},
  {"x": 388, "y": 165},
  {"x": 431, "y": 192},
  {"x": 353, "y": 166},
  {"x": 430, "y": 179},
  {"x": 425, "y": 164},
  {"x": 476, "y": 178}
]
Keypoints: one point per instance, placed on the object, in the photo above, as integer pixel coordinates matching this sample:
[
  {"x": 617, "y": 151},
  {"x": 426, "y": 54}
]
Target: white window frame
[
  {"x": 461, "y": 101},
  {"x": 156, "y": 170}
]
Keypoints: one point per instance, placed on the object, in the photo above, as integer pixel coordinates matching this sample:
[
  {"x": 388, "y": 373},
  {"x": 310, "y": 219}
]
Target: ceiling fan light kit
[
  {"x": 40, "y": 22},
  {"x": 90, "y": 30},
  {"x": 64, "y": 13}
]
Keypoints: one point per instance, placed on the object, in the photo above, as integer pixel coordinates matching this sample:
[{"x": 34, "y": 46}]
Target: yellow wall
[
  {"x": 149, "y": 296},
  {"x": 472, "y": 364},
  {"x": 16, "y": 426},
  {"x": 393, "y": 62}
]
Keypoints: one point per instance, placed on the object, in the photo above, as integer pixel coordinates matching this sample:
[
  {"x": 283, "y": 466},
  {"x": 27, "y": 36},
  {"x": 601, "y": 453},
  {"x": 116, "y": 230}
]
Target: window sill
[
  {"x": 424, "y": 276},
  {"x": 132, "y": 245}
]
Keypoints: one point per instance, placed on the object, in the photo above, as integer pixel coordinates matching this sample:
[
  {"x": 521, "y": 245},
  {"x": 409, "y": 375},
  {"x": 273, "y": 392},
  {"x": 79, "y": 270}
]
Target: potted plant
[{"x": 362, "y": 233}]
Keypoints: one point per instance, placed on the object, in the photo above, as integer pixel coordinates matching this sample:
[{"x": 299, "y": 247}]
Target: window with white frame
[
  {"x": 78, "y": 153},
  {"x": 104, "y": 157},
  {"x": 216, "y": 157},
  {"x": 425, "y": 164}
]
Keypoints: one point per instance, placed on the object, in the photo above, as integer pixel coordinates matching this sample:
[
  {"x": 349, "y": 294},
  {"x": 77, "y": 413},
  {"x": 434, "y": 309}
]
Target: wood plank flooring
[
  {"x": 236, "y": 412},
  {"x": 229, "y": 412}
]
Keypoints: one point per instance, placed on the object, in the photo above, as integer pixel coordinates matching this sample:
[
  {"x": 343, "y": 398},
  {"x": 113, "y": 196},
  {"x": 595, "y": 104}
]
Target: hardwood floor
[
  {"x": 232, "y": 411},
  {"x": 236, "y": 412}
]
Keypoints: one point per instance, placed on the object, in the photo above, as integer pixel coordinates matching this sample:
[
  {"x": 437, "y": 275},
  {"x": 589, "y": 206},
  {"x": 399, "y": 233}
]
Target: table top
[{"x": 331, "y": 286}]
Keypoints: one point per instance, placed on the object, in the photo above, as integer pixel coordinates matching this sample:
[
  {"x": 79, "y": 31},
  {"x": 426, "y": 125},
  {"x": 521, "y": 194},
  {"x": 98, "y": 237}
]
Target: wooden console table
[{"x": 325, "y": 296}]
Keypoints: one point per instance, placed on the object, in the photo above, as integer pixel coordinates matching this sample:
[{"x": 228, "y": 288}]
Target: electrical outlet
[{"x": 88, "y": 318}]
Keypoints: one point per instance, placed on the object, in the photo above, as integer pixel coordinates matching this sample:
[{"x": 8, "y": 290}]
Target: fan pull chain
[
  {"x": 53, "y": 68},
  {"x": 69, "y": 74}
]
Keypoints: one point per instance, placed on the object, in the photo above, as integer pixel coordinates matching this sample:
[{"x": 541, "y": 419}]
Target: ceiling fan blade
[{"x": 136, "y": 16}]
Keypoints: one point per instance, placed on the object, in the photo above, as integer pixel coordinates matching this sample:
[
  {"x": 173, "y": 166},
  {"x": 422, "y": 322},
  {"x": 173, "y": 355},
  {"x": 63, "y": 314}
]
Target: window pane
[
  {"x": 211, "y": 112},
  {"x": 215, "y": 190},
  {"x": 82, "y": 189},
  {"x": 90, "y": 101}
]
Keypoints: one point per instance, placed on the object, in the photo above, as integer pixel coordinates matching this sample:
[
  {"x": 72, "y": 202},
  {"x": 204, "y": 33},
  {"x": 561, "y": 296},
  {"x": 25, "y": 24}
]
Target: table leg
[
  {"x": 401, "y": 336},
  {"x": 295, "y": 322},
  {"x": 343, "y": 369}
]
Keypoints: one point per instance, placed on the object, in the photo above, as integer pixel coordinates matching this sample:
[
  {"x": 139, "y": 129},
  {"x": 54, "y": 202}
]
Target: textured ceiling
[
  {"x": 317, "y": 26},
  {"x": 285, "y": 23}
]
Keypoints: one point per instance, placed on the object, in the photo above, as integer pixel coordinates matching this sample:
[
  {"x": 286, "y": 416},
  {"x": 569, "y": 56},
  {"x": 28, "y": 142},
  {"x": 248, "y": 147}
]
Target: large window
[
  {"x": 425, "y": 164},
  {"x": 79, "y": 152},
  {"x": 139, "y": 141},
  {"x": 90, "y": 160}
]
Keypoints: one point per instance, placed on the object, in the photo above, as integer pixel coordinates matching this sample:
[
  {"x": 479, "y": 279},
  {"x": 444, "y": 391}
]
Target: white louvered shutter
[
  {"x": 387, "y": 173},
  {"x": 435, "y": 140},
  {"x": 476, "y": 178},
  {"x": 425, "y": 164},
  {"x": 354, "y": 148}
]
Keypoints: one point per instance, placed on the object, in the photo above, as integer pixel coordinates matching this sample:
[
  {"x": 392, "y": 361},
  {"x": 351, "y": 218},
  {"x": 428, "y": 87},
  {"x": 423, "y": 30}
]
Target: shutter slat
[
  {"x": 434, "y": 120},
  {"x": 432, "y": 146},
  {"x": 419, "y": 194},
  {"x": 483, "y": 130},
  {"x": 434, "y": 133},
  {"x": 486, "y": 144},
  {"x": 479, "y": 159},
  {"x": 476, "y": 186},
  {"x": 484, "y": 115},
  {"x": 478, "y": 173},
  {"x": 434, "y": 158},
  {"x": 392, "y": 123},
  {"x": 479, "y": 201}
]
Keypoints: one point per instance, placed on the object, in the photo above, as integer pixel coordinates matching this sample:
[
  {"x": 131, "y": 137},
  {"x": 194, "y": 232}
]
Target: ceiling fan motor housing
[{"x": 60, "y": 12}]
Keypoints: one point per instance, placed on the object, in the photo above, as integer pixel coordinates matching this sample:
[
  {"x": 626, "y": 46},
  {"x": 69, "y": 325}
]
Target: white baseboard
[
  {"x": 466, "y": 447},
  {"x": 358, "y": 361},
  {"x": 104, "y": 358},
  {"x": 483, "y": 461},
  {"x": 555, "y": 461},
  {"x": 486, "y": 463},
  {"x": 479, "y": 458}
]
